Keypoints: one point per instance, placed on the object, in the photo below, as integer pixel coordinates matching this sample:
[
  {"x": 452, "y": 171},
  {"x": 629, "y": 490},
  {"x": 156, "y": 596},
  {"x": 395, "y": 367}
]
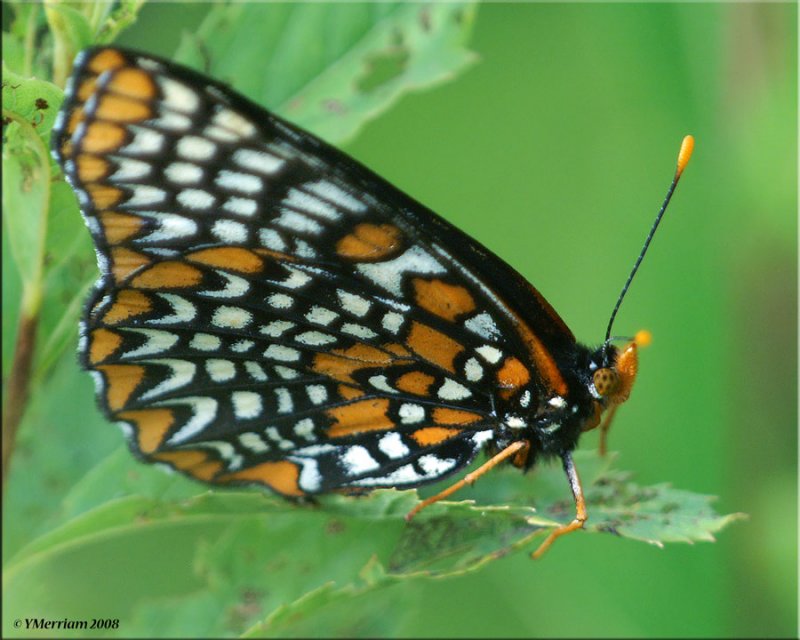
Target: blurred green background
[{"x": 555, "y": 150}]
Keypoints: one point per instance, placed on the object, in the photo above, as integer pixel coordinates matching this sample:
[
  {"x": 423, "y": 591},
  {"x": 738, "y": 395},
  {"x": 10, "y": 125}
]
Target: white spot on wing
[
  {"x": 229, "y": 232},
  {"x": 391, "y": 273},
  {"x": 170, "y": 226},
  {"x": 130, "y": 169},
  {"x": 400, "y": 476},
  {"x": 434, "y": 466},
  {"x": 235, "y": 287},
  {"x": 356, "y": 460},
  {"x": 334, "y": 194},
  {"x": 473, "y": 370},
  {"x": 309, "y": 204},
  {"x": 483, "y": 324},
  {"x": 392, "y": 322},
  {"x": 236, "y": 181},
  {"x": 204, "y": 410},
  {"x": 298, "y": 223},
  {"x": 246, "y": 405},
  {"x": 392, "y": 445},
  {"x": 241, "y": 206},
  {"x": 357, "y": 330},
  {"x": 184, "y": 173},
  {"x": 220, "y": 370},
  {"x": 178, "y": 96},
  {"x": 490, "y": 354},
  {"x": 205, "y": 342},
  {"x": 157, "y": 342},
  {"x": 321, "y": 315},
  {"x": 284, "y": 354},
  {"x": 181, "y": 373},
  {"x": 309, "y": 479},
  {"x": 195, "y": 198},
  {"x": 315, "y": 338},
  {"x": 271, "y": 239},
  {"x": 276, "y": 328},
  {"x": 257, "y": 161},
  {"x": 452, "y": 390},
  {"x": 227, "y": 317},
  {"x": 183, "y": 310},
  {"x": 353, "y": 303},
  {"x": 305, "y": 429},
  {"x": 253, "y": 441},
  {"x": 280, "y": 301},
  {"x": 255, "y": 371},
  {"x": 285, "y": 403},
  {"x": 380, "y": 382},
  {"x": 317, "y": 393},
  {"x": 145, "y": 141},
  {"x": 195, "y": 148},
  {"x": 235, "y": 122},
  {"x": 242, "y": 346},
  {"x": 411, "y": 413},
  {"x": 482, "y": 437}
]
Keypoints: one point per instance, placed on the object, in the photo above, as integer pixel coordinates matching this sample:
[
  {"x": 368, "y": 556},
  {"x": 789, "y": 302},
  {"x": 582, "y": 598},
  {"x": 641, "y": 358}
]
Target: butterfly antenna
[{"x": 683, "y": 159}]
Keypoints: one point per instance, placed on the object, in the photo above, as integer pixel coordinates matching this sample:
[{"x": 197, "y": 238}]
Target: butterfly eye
[{"x": 606, "y": 381}]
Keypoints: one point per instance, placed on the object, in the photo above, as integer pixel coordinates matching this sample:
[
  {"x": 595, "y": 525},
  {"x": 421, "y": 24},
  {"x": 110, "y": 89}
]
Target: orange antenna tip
[
  {"x": 643, "y": 338},
  {"x": 687, "y": 146}
]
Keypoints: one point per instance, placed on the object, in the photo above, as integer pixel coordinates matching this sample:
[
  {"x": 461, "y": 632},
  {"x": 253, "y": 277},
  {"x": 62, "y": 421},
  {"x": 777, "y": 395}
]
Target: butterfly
[{"x": 270, "y": 312}]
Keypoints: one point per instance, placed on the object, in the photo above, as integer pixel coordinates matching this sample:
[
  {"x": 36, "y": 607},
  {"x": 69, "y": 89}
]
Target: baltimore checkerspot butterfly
[{"x": 271, "y": 312}]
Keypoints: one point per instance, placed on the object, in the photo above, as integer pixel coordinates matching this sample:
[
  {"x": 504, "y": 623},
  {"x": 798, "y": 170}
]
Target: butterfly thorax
[{"x": 597, "y": 380}]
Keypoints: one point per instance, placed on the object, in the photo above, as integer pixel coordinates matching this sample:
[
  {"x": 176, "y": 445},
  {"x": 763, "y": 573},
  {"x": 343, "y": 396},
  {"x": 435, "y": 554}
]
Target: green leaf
[
  {"x": 332, "y": 67},
  {"x": 247, "y": 560},
  {"x": 32, "y": 100}
]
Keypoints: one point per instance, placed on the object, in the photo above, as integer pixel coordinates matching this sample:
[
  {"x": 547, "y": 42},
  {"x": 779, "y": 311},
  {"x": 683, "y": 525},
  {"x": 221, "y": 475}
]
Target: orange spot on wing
[
  {"x": 370, "y": 242},
  {"x": 103, "y": 137},
  {"x": 129, "y": 304},
  {"x": 349, "y": 393},
  {"x": 121, "y": 109},
  {"x": 230, "y": 258},
  {"x": 279, "y": 476},
  {"x": 513, "y": 373},
  {"x": 119, "y": 226},
  {"x": 152, "y": 426},
  {"x": 121, "y": 382},
  {"x": 545, "y": 364},
  {"x": 103, "y": 343},
  {"x": 433, "y": 345},
  {"x": 430, "y": 436},
  {"x": 365, "y": 415},
  {"x": 125, "y": 261},
  {"x": 91, "y": 168},
  {"x": 277, "y": 255},
  {"x": 86, "y": 89},
  {"x": 444, "y": 300},
  {"x": 103, "y": 196},
  {"x": 170, "y": 274},
  {"x": 340, "y": 364},
  {"x": 415, "y": 382},
  {"x": 105, "y": 60},
  {"x": 196, "y": 463},
  {"x": 397, "y": 349},
  {"x": 135, "y": 83},
  {"x": 454, "y": 416}
]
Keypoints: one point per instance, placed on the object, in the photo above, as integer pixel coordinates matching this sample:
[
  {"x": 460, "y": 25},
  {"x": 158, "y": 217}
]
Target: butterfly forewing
[{"x": 269, "y": 311}]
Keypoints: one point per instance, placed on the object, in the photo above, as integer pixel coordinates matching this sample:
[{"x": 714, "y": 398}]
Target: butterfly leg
[
  {"x": 513, "y": 449},
  {"x": 580, "y": 507},
  {"x": 604, "y": 427}
]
